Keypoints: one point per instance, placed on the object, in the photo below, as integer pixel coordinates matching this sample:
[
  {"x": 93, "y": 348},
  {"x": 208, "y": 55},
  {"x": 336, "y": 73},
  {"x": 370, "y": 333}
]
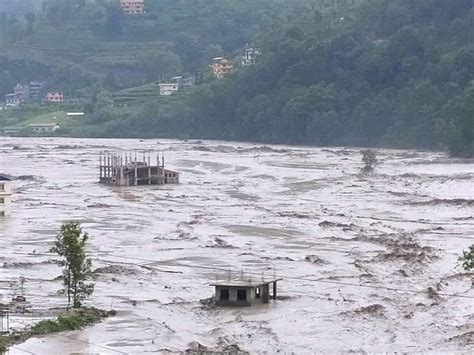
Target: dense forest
[
  {"x": 395, "y": 73},
  {"x": 78, "y": 44}
]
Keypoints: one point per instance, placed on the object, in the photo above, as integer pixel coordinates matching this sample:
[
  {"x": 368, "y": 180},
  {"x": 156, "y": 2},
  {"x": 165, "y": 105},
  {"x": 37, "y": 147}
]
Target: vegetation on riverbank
[{"x": 72, "y": 320}]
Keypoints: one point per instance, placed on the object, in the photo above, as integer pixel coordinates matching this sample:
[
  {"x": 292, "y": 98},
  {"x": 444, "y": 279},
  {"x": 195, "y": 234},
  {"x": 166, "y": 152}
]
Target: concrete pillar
[
  {"x": 275, "y": 290},
  {"x": 109, "y": 173},
  {"x": 233, "y": 294}
]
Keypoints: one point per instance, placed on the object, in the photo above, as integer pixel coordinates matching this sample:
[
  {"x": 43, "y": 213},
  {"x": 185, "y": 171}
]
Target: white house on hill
[{"x": 167, "y": 89}]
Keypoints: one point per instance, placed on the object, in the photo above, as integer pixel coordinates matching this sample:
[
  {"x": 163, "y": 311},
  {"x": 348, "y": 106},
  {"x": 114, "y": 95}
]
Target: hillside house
[
  {"x": 11, "y": 100},
  {"x": 167, "y": 89},
  {"x": 35, "y": 91},
  {"x": 19, "y": 97},
  {"x": 185, "y": 80},
  {"x": 42, "y": 128},
  {"x": 5, "y": 196},
  {"x": 222, "y": 67},
  {"x": 54, "y": 98},
  {"x": 250, "y": 56},
  {"x": 241, "y": 292},
  {"x": 133, "y": 7},
  {"x": 22, "y": 92}
]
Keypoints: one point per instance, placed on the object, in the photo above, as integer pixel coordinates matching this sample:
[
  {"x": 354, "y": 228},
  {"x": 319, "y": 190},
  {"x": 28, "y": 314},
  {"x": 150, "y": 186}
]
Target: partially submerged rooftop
[{"x": 240, "y": 292}]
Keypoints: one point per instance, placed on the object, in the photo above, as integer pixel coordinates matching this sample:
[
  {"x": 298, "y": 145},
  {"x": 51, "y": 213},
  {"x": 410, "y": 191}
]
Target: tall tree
[{"x": 70, "y": 246}]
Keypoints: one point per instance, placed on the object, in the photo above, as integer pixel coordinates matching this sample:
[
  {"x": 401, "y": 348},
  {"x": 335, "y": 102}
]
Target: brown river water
[{"x": 369, "y": 262}]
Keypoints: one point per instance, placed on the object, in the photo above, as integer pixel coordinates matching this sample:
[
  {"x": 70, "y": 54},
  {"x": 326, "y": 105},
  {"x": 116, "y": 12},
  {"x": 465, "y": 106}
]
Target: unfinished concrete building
[{"x": 125, "y": 169}]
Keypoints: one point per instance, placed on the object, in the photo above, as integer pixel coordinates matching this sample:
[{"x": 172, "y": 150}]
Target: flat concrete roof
[{"x": 244, "y": 283}]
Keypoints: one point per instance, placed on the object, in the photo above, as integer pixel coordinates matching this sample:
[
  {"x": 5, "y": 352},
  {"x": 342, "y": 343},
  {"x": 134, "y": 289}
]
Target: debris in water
[
  {"x": 374, "y": 310},
  {"x": 219, "y": 243},
  {"x": 315, "y": 259}
]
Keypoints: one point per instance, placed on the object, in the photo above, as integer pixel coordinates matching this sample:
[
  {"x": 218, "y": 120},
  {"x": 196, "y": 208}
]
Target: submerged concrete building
[
  {"x": 241, "y": 293},
  {"x": 125, "y": 170}
]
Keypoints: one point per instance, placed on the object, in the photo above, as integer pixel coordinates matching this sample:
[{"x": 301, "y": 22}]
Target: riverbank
[{"x": 73, "y": 319}]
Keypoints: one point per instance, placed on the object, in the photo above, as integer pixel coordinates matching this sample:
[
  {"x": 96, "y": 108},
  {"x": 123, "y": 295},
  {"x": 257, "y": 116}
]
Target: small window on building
[
  {"x": 2, "y": 187},
  {"x": 241, "y": 295},
  {"x": 2, "y": 200},
  {"x": 224, "y": 294},
  {"x": 2, "y": 214}
]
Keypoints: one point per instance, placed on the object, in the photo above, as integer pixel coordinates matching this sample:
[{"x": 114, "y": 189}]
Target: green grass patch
[
  {"x": 137, "y": 94},
  {"x": 56, "y": 116},
  {"x": 30, "y": 115}
]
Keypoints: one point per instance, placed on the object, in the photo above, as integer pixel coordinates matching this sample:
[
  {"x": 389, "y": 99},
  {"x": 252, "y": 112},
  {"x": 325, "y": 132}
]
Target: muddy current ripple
[{"x": 306, "y": 214}]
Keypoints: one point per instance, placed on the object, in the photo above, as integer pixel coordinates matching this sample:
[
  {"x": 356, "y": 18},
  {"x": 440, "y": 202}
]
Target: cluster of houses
[
  {"x": 32, "y": 93},
  {"x": 133, "y": 7},
  {"x": 221, "y": 67}
]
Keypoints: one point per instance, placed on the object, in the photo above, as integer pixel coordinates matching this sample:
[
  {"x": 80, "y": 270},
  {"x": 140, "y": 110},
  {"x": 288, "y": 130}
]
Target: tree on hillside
[
  {"x": 103, "y": 107},
  {"x": 114, "y": 20},
  {"x": 6, "y": 83},
  {"x": 161, "y": 63},
  {"x": 30, "y": 19},
  {"x": 70, "y": 246},
  {"x": 461, "y": 124},
  {"x": 3, "y": 22}
]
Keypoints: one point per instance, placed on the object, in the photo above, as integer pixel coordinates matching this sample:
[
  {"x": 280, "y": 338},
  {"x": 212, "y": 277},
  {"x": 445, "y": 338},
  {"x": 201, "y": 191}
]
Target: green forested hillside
[
  {"x": 369, "y": 72},
  {"x": 78, "y": 44}
]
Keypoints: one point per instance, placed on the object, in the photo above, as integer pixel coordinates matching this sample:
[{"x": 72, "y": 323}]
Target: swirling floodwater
[{"x": 369, "y": 262}]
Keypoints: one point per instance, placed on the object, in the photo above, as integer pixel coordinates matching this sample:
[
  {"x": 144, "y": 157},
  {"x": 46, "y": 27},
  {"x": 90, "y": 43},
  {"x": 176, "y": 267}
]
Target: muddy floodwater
[{"x": 369, "y": 262}]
